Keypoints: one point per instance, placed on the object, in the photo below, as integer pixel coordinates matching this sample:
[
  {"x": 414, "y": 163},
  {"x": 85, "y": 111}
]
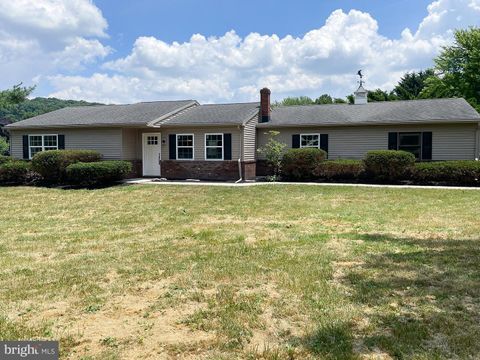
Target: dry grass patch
[{"x": 269, "y": 272}]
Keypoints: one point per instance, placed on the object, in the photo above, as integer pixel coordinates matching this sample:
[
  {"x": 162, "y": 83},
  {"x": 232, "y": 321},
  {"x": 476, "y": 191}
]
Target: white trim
[
  {"x": 43, "y": 143},
  {"x": 186, "y": 147},
  {"x": 303, "y": 147},
  {"x": 144, "y": 135},
  {"x": 214, "y": 147},
  {"x": 154, "y": 122}
]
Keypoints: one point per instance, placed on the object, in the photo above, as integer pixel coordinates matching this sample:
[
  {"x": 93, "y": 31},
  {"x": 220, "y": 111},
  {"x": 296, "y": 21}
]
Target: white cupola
[{"x": 361, "y": 95}]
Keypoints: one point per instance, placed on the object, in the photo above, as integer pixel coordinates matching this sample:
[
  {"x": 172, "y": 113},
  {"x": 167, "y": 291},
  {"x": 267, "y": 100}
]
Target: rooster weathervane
[{"x": 359, "y": 73}]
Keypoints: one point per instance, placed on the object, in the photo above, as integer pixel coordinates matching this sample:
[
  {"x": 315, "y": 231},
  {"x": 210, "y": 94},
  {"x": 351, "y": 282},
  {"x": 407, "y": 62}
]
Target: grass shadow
[{"x": 421, "y": 296}]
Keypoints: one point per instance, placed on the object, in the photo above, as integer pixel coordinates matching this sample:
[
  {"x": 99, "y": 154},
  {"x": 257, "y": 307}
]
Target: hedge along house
[{"x": 183, "y": 139}]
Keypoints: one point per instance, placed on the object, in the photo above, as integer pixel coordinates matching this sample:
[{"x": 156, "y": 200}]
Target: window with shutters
[
  {"x": 310, "y": 140},
  {"x": 214, "y": 146},
  {"x": 411, "y": 142},
  {"x": 38, "y": 143},
  {"x": 185, "y": 146}
]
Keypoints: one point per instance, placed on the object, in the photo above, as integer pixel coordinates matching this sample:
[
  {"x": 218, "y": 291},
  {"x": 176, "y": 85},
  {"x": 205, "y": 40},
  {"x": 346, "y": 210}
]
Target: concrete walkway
[{"x": 145, "y": 181}]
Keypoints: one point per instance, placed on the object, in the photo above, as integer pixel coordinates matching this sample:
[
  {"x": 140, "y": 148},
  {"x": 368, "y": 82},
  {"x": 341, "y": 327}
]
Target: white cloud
[
  {"x": 41, "y": 37},
  {"x": 56, "y": 20},
  {"x": 231, "y": 68}
]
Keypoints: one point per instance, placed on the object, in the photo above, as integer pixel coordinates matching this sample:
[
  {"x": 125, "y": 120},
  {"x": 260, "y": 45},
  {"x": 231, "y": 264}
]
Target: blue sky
[
  {"x": 130, "y": 19},
  {"x": 219, "y": 50}
]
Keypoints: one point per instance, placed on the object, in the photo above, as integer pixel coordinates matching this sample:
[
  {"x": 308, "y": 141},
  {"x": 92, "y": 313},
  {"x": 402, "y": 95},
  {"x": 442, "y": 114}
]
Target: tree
[
  {"x": 301, "y": 100},
  {"x": 37, "y": 106},
  {"x": 457, "y": 69},
  {"x": 273, "y": 152},
  {"x": 324, "y": 99},
  {"x": 339, "y": 101},
  {"x": 15, "y": 95},
  {"x": 411, "y": 84},
  {"x": 380, "y": 95},
  {"x": 8, "y": 98},
  {"x": 4, "y": 147}
]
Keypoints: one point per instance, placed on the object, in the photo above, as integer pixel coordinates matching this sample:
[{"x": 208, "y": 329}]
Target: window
[
  {"x": 38, "y": 143},
  {"x": 152, "y": 140},
  {"x": 310, "y": 140},
  {"x": 185, "y": 146},
  {"x": 214, "y": 146},
  {"x": 411, "y": 142}
]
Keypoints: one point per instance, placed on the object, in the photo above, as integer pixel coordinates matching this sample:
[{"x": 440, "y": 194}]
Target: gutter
[
  {"x": 477, "y": 143},
  {"x": 241, "y": 128}
]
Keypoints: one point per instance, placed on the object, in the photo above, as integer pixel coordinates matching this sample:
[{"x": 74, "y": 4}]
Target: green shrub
[
  {"x": 98, "y": 173},
  {"x": 4, "y": 159},
  {"x": 52, "y": 164},
  {"x": 340, "y": 170},
  {"x": 300, "y": 164},
  {"x": 388, "y": 165},
  {"x": 15, "y": 172},
  {"x": 4, "y": 146},
  {"x": 273, "y": 152},
  {"x": 465, "y": 172}
]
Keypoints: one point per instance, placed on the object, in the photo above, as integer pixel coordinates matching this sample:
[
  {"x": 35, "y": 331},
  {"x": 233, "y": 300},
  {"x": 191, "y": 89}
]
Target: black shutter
[
  {"x": 324, "y": 142},
  {"x": 427, "y": 146},
  {"x": 61, "y": 142},
  {"x": 172, "y": 146},
  {"x": 25, "y": 147},
  {"x": 392, "y": 141},
  {"x": 295, "y": 141},
  {"x": 227, "y": 146}
]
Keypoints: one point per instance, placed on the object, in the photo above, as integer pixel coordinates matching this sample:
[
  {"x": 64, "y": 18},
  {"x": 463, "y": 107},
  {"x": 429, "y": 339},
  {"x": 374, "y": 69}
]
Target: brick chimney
[{"x": 265, "y": 105}]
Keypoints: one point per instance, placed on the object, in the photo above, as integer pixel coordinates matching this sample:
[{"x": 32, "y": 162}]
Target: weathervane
[{"x": 359, "y": 73}]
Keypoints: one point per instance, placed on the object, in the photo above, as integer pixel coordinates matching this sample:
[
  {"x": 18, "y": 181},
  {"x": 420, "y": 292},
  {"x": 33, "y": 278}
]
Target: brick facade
[
  {"x": 206, "y": 170},
  {"x": 137, "y": 170},
  {"x": 249, "y": 170},
  {"x": 263, "y": 169}
]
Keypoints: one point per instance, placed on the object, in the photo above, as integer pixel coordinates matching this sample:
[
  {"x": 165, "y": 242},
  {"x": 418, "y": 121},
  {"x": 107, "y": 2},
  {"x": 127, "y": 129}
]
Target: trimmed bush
[
  {"x": 388, "y": 165},
  {"x": 4, "y": 159},
  {"x": 465, "y": 172},
  {"x": 300, "y": 164},
  {"x": 98, "y": 173},
  {"x": 340, "y": 170},
  {"x": 52, "y": 164},
  {"x": 15, "y": 172}
]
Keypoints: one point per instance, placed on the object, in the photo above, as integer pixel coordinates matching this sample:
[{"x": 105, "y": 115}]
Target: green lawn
[{"x": 273, "y": 272}]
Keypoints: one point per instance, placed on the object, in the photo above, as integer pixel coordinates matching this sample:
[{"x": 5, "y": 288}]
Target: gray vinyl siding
[
  {"x": 106, "y": 141},
  {"x": 249, "y": 140},
  {"x": 129, "y": 144},
  {"x": 199, "y": 140},
  {"x": 450, "y": 142}
]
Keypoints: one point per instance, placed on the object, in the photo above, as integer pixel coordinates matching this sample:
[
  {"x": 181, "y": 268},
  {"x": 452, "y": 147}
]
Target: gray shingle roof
[
  {"x": 139, "y": 114},
  {"x": 214, "y": 114},
  {"x": 392, "y": 112}
]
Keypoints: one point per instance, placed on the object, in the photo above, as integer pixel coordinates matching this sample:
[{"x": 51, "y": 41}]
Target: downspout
[
  {"x": 240, "y": 155},
  {"x": 477, "y": 143}
]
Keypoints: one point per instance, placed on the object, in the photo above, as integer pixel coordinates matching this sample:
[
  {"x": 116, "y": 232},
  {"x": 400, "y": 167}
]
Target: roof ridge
[
  {"x": 236, "y": 103},
  {"x": 369, "y": 103}
]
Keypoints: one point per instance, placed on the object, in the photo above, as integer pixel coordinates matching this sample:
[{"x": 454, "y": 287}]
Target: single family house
[{"x": 184, "y": 139}]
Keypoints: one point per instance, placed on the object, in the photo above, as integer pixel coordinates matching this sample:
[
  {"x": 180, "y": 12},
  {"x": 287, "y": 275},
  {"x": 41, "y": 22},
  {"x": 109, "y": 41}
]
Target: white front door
[{"x": 152, "y": 144}]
